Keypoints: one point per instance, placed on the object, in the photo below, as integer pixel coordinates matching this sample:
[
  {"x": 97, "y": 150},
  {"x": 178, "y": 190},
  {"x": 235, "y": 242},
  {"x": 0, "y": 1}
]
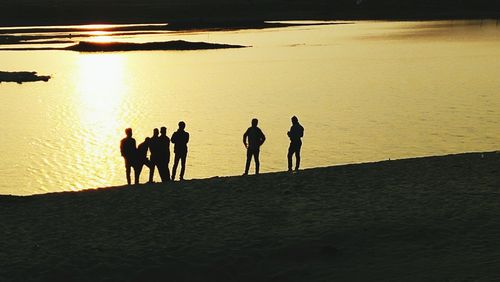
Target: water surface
[{"x": 366, "y": 91}]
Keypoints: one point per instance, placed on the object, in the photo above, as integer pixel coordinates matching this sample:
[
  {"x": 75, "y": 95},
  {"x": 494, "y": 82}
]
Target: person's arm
[
  {"x": 262, "y": 137},
  {"x": 121, "y": 149},
  {"x": 187, "y": 137},
  {"x": 168, "y": 147},
  {"x": 245, "y": 135},
  {"x": 133, "y": 152}
]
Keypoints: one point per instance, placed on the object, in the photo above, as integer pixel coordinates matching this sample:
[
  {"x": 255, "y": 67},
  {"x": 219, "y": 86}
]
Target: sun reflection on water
[
  {"x": 100, "y": 36},
  {"x": 102, "y": 88},
  {"x": 101, "y": 85}
]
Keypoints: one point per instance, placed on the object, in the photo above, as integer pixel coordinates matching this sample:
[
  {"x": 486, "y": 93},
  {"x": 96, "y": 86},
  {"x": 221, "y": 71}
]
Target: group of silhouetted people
[
  {"x": 253, "y": 138},
  {"x": 159, "y": 148}
]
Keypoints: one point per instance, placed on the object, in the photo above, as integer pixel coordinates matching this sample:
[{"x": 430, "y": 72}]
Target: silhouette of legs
[
  {"x": 167, "y": 172},
  {"x": 155, "y": 164},
  {"x": 257, "y": 162},
  {"x": 294, "y": 149},
  {"x": 164, "y": 171},
  {"x": 137, "y": 172},
  {"x": 174, "y": 168},
  {"x": 183, "y": 166},
  {"x": 127, "y": 172},
  {"x": 161, "y": 171},
  {"x": 249, "y": 158},
  {"x": 255, "y": 154},
  {"x": 151, "y": 172},
  {"x": 182, "y": 158},
  {"x": 297, "y": 159},
  {"x": 149, "y": 164}
]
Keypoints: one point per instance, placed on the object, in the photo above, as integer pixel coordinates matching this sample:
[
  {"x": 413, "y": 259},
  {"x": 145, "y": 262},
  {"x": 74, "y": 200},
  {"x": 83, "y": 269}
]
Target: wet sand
[{"x": 423, "y": 219}]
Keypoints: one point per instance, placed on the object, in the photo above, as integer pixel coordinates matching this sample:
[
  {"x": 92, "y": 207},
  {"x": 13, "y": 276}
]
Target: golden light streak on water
[
  {"x": 100, "y": 36},
  {"x": 364, "y": 92},
  {"x": 101, "y": 87}
]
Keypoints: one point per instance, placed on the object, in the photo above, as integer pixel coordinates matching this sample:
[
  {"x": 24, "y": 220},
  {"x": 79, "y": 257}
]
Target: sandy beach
[{"x": 423, "y": 219}]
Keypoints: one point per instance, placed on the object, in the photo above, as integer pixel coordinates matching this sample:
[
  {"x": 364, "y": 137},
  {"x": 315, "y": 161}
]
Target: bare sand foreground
[{"x": 424, "y": 219}]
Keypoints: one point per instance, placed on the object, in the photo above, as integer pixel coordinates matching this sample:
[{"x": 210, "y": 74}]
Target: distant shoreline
[
  {"x": 194, "y": 24},
  {"x": 14, "y": 36},
  {"x": 199, "y": 11}
]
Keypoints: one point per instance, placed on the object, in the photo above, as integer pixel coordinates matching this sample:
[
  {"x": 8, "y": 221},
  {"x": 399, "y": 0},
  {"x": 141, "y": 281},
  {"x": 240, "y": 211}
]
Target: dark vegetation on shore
[
  {"x": 424, "y": 219},
  {"x": 22, "y": 76},
  {"x": 34, "y": 12}
]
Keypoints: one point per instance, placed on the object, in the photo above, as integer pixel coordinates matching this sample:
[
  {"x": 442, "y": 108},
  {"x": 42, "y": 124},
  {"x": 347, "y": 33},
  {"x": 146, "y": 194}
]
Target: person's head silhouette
[
  {"x": 295, "y": 120},
  {"x": 182, "y": 125},
  {"x": 155, "y": 132},
  {"x": 255, "y": 122},
  {"x": 147, "y": 140},
  {"x": 163, "y": 130},
  {"x": 128, "y": 131}
]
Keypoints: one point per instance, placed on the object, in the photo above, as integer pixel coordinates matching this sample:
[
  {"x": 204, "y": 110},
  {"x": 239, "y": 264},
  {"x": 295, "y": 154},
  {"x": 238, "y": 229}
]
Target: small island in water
[
  {"x": 85, "y": 46},
  {"x": 22, "y": 76},
  {"x": 174, "y": 45}
]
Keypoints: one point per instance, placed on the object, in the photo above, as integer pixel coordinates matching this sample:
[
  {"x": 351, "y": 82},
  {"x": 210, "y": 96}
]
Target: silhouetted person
[
  {"x": 128, "y": 151},
  {"x": 142, "y": 159},
  {"x": 164, "y": 155},
  {"x": 255, "y": 139},
  {"x": 154, "y": 149},
  {"x": 180, "y": 138},
  {"x": 296, "y": 132}
]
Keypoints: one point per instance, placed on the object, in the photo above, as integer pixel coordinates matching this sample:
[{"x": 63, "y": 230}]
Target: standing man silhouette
[
  {"x": 255, "y": 139},
  {"x": 142, "y": 159},
  {"x": 180, "y": 138},
  {"x": 155, "y": 154},
  {"x": 128, "y": 151},
  {"x": 164, "y": 157},
  {"x": 296, "y": 132}
]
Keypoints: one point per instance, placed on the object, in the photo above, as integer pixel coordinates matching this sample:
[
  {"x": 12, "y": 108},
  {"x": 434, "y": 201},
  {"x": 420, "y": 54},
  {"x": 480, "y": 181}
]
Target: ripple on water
[{"x": 408, "y": 100}]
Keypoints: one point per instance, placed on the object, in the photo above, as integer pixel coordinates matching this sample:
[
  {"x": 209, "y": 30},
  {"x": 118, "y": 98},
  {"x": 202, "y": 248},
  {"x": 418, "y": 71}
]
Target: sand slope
[{"x": 425, "y": 219}]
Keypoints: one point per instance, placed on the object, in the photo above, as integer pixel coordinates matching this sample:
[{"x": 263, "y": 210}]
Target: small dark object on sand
[{"x": 22, "y": 76}]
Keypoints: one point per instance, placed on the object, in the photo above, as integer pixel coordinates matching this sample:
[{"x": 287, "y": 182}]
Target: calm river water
[{"x": 364, "y": 91}]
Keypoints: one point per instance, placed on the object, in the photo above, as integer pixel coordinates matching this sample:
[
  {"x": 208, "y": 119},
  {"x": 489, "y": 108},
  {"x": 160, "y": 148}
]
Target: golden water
[{"x": 363, "y": 92}]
